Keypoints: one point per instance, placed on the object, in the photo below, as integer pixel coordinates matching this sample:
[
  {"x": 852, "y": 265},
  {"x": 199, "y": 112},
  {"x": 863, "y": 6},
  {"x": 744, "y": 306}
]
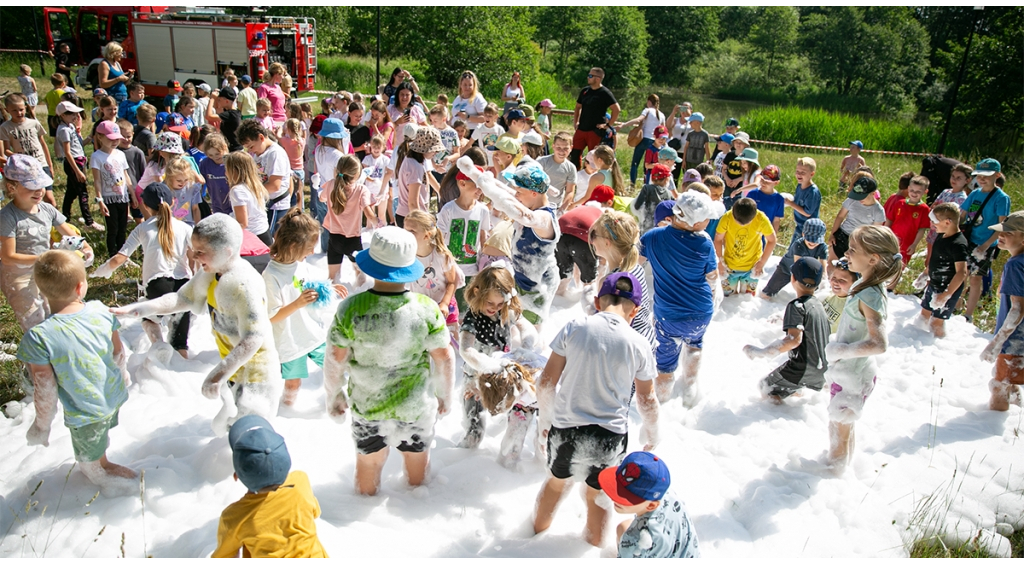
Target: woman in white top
[
  {"x": 512, "y": 93},
  {"x": 469, "y": 104},
  {"x": 648, "y": 119}
]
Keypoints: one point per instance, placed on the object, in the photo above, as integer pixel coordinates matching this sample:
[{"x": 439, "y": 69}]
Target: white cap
[
  {"x": 694, "y": 207},
  {"x": 65, "y": 107},
  {"x": 532, "y": 138}
]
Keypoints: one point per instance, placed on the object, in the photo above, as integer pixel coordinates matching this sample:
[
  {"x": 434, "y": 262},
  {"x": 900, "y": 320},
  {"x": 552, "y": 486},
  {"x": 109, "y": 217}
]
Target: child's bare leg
[
  {"x": 291, "y": 391},
  {"x": 153, "y": 331},
  {"x": 841, "y": 443},
  {"x": 368, "y": 469},
  {"x": 332, "y": 272},
  {"x": 416, "y": 466},
  {"x": 691, "y": 366},
  {"x": 973, "y": 295},
  {"x": 938, "y": 327},
  {"x": 663, "y": 386},
  {"x": 597, "y": 517},
  {"x": 550, "y": 496},
  {"x": 113, "y": 480},
  {"x": 515, "y": 437},
  {"x": 563, "y": 286}
]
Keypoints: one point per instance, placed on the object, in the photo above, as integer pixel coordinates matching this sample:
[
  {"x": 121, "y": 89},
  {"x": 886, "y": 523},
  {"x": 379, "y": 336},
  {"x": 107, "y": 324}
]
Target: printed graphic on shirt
[{"x": 464, "y": 250}]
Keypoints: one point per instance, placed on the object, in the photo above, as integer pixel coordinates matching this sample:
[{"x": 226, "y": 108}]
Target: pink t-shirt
[
  {"x": 386, "y": 132},
  {"x": 294, "y": 148},
  {"x": 349, "y": 222},
  {"x": 273, "y": 93}
]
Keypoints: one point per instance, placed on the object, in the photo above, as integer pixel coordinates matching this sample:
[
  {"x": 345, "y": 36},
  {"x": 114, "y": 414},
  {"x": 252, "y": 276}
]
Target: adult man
[
  {"x": 63, "y": 62},
  {"x": 588, "y": 118}
]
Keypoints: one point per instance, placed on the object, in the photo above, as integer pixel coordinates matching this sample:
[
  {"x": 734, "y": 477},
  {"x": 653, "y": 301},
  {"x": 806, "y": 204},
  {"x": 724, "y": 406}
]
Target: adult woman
[
  {"x": 360, "y": 134},
  {"x": 404, "y": 110},
  {"x": 398, "y": 77},
  {"x": 469, "y": 104},
  {"x": 512, "y": 93},
  {"x": 380, "y": 124},
  {"x": 271, "y": 90},
  {"x": 648, "y": 119},
  {"x": 111, "y": 77},
  {"x": 680, "y": 124}
]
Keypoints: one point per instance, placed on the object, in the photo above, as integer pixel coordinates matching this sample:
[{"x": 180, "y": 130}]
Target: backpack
[{"x": 937, "y": 170}]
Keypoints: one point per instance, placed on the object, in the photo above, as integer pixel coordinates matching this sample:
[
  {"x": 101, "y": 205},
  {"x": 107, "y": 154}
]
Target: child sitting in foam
[{"x": 512, "y": 389}]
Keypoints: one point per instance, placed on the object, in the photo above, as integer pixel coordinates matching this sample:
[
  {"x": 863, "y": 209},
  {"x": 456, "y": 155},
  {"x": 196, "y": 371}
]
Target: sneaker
[{"x": 96, "y": 227}]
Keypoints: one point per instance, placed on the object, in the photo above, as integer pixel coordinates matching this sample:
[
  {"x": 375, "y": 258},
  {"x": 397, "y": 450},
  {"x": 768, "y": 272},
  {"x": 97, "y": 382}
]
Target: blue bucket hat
[
  {"x": 333, "y": 129},
  {"x": 669, "y": 153},
  {"x": 391, "y": 256},
  {"x": 258, "y": 453},
  {"x": 814, "y": 230},
  {"x": 530, "y": 176}
]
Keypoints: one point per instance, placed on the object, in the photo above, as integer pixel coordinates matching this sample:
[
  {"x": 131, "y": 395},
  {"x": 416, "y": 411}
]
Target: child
[
  {"x": 615, "y": 238},
  {"x": 69, "y": 149},
  {"x": 807, "y": 332},
  {"x": 144, "y": 134},
  {"x": 181, "y": 179},
  {"x": 294, "y": 143},
  {"x": 660, "y": 527},
  {"x": 901, "y": 192},
  {"x": 608, "y": 174},
  {"x": 874, "y": 254},
  {"x": 511, "y": 389},
  {"x": 247, "y": 196},
  {"x": 946, "y": 268},
  {"x": 851, "y": 163},
  {"x": 263, "y": 116},
  {"x": 908, "y": 218},
  {"x": 276, "y": 518},
  {"x": 560, "y": 170},
  {"x": 517, "y": 124},
  {"x": 136, "y": 163},
  {"x": 247, "y": 98},
  {"x": 1005, "y": 349},
  {"x": 980, "y": 210},
  {"x": 166, "y": 243},
  {"x": 670, "y": 158},
  {"x": 543, "y": 124},
  {"x": 136, "y": 97},
  {"x": 379, "y": 358},
  {"x": 110, "y": 177},
  {"x": 595, "y": 364},
  {"x": 24, "y": 135},
  {"x": 722, "y": 148},
  {"x": 686, "y": 289},
  {"x": 298, "y": 334},
  {"x": 375, "y": 163},
  {"x": 769, "y": 201},
  {"x": 235, "y": 296},
  {"x": 858, "y": 209},
  {"x": 651, "y": 154},
  {"x": 174, "y": 90},
  {"x": 348, "y": 201},
  {"x": 334, "y": 143},
  {"x": 77, "y": 355},
  {"x": 53, "y": 98},
  {"x": 441, "y": 275},
  {"x": 695, "y": 147},
  {"x": 806, "y": 200},
  {"x": 732, "y": 167},
  {"x": 412, "y": 185},
  {"x": 274, "y": 167},
  {"x": 380, "y": 124},
  {"x": 810, "y": 244},
  {"x": 958, "y": 179},
  {"x": 465, "y": 224},
  {"x": 840, "y": 282},
  {"x": 444, "y": 159},
  {"x": 741, "y": 258},
  {"x": 716, "y": 189},
  {"x": 651, "y": 195},
  {"x": 486, "y": 134},
  {"x": 28, "y": 89},
  {"x": 215, "y": 147}
]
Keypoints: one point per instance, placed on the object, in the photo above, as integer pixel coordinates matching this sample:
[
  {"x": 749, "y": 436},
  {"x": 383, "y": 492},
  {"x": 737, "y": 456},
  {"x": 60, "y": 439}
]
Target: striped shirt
[{"x": 643, "y": 323}]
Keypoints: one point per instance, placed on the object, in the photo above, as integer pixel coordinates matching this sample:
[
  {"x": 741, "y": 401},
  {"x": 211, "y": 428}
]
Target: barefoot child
[
  {"x": 946, "y": 268},
  {"x": 810, "y": 244},
  {"x": 77, "y": 355},
  {"x": 1005, "y": 350},
  {"x": 615, "y": 238},
  {"x": 982, "y": 209},
  {"x": 441, "y": 276},
  {"x": 807, "y": 332},
  {"x": 851, "y": 163},
  {"x": 594, "y": 365},
  {"x": 874, "y": 254},
  {"x": 859, "y": 208},
  {"x": 908, "y": 218},
  {"x": 741, "y": 258},
  {"x": 276, "y": 518}
]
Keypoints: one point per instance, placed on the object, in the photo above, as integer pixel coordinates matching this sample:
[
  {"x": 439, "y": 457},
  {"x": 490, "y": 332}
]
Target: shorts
[
  {"x": 340, "y": 246},
  {"x": 373, "y": 436},
  {"x": 19, "y": 287},
  {"x": 784, "y": 383},
  {"x": 536, "y": 305},
  {"x": 571, "y": 251},
  {"x": 947, "y": 311},
  {"x": 298, "y": 368},
  {"x": 452, "y": 315},
  {"x": 1010, "y": 368},
  {"x": 842, "y": 243},
  {"x": 981, "y": 267},
  {"x": 672, "y": 335},
  {"x": 847, "y": 404},
  {"x": 90, "y": 441},
  {"x": 582, "y": 452},
  {"x": 735, "y": 278}
]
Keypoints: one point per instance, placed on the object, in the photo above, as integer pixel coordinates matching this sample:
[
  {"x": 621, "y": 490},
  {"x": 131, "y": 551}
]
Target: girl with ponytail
[
  {"x": 165, "y": 242},
  {"x": 441, "y": 274},
  {"x": 348, "y": 201},
  {"x": 615, "y": 239}
]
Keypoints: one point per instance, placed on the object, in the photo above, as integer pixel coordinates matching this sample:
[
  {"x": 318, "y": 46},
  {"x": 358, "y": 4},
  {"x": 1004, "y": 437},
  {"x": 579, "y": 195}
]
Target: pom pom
[{"x": 324, "y": 291}]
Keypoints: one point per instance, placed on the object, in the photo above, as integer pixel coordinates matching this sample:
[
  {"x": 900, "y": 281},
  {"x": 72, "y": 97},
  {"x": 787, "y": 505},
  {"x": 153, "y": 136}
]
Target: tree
[
  {"x": 679, "y": 35},
  {"x": 774, "y": 36},
  {"x": 620, "y": 48},
  {"x": 735, "y": 22},
  {"x": 569, "y": 27}
]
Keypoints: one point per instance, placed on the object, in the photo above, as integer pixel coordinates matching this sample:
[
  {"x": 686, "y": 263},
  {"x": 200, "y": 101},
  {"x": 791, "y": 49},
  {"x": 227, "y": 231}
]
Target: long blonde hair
[
  {"x": 165, "y": 230},
  {"x": 348, "y": 170},
  {"x": 879, "y": 241},
  {"x": 624, "y": 233},
  {"x": 607, "y": 156},
  {"x": 423, "y": 221},
  {"x": 239, "y": 168}
]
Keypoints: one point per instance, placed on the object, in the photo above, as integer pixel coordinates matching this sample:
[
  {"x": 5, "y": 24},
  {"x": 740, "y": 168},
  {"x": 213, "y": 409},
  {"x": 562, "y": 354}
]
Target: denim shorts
[{"x": 672, "y": 335}]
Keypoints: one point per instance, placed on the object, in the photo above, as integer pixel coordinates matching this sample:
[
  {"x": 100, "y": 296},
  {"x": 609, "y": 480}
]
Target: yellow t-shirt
[
  {"x": 742, "y": 247},
  {"x": 277, "y": 524}
]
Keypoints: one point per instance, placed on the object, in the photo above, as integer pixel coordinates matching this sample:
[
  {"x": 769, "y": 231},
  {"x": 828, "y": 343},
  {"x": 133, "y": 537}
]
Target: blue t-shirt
[
  {"x": 216, "y": 186},
  {"x": 128, "y": 109},
  {"x": 810, "y": 200},
  {"x": 799, "y": 248},
  {"x": 171, "y": 101},
  {"x": 1012, "y": 284},
  {"x": 712, "y": 228},
  {"x": 998, "y": 205},
  {"x": 772, "y": 205},
  {"x": 680, "y": 261},
  {"x": 79, "y": 347},
  {"x": 665, "y": 532}
]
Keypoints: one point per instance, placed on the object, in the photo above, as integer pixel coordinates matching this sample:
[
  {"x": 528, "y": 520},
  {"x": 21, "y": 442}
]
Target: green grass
[{"x": 926, "y": 549}]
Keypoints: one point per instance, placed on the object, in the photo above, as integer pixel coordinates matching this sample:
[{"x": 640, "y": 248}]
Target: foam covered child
[
  {"x": 1006, "y": 350},
  {"x": 512, "y": 389},
  {"x": 738, "y": 246}
]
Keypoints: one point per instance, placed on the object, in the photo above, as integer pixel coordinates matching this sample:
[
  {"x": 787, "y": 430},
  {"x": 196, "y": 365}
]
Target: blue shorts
[{"x": 672, "y": 335}]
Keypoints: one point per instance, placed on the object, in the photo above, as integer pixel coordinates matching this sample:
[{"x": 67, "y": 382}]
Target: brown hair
[
  {"x": 165, "y": 230},
  {"x": 147, "y": 112},
  {"x": 562, "y": 136},
  {"x": 905, "y": 179},
  {"x": 881, "y": 242},
  {"x": 499, "y": 390},
  {"x": 56, "y": 79},
  {"x": 348, "y": 170},
  {"x": 495, "y": 279},
  {"x": 920, "y": 181},
  {"x": 713, "y": 182},
  {"x": 653, "y": 98},
  {"x": 623, "y": 232},
  {"x": 215, "y": 141},
  {"x": 250, "y": 130},
  {"x": 240, "y": 168},
  {"x": 701, "y": 187},
  {"x": 57, "y": 274},
  {"x": 947, "y": 210},
  {"x": 296, "y": 231},
  {"x": 965, "y": 169},
  {"x": 744, "y": 210},
  {"x": 263, "y": 103}
]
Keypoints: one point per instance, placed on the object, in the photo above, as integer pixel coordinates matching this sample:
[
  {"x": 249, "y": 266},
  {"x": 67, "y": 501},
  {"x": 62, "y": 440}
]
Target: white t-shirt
[
  {"x": 373, "y": 171},
  {"x": 114, "y": 177},
  {"x": 275, "y": 162},
  {"x": 472, "y": 108},
  {"x": 412, "y": 172},
  {"x": 432, "y": 284},
  {"x": 463, "y": 233},
  {"x": 485, "y": 138},
  {"x": 154, "y": 263},
  {"x": 326, "y": 159},
  {"x": 582, "y": 183},
  {"x": 239, "y": 196},
  {"x": 603, "y": 357},
  {"x": 301, "y": 332},
  {"x": 652, "y": 118}
]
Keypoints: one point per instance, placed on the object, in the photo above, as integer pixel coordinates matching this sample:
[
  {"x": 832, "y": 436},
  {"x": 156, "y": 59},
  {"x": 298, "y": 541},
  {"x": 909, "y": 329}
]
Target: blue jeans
[
  {"x": 319, "y": 211},
  {"x": 638, "y": 157}
]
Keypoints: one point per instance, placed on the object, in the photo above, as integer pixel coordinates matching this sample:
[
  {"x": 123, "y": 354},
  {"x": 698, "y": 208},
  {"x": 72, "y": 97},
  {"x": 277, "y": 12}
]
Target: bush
[{"x": 359, "y": 74}]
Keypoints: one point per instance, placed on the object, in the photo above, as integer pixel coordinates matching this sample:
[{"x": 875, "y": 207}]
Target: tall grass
[{"x": 359, "y": 74}]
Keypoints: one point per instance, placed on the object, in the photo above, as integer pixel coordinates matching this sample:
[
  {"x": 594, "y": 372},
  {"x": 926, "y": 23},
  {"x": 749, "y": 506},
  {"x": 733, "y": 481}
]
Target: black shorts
[
  {"x": 582, "y": 452},
  {"x": 947, "y": 310},
  {"x": 373, "y": 436},
  {"x": 784, "y": 381},
  {"x": 981, "y": 267},
  {"x": 572, "y": 250},
  {"x": 842, "y": 243},
  {"x": 340, "y": 246}
]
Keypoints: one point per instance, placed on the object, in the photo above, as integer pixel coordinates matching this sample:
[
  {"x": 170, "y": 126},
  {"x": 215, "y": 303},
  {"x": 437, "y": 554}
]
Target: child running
[
  {"x": 348, "y": 201},
  {"x": 441, "y": 275}
]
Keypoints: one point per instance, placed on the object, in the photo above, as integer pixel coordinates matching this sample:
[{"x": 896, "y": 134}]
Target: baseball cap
[
  {"x": 726, "y": 138},
  {"x": 533, "y": 138},
  {"x": 691, "y": 175},
  {"x": 246, "y": 79},
  {"x": 660, "y": 131},
  {"x": 814, "y": 230},
  {"x": 602, "y": 194},
  {"x": 641, "y": 477},
  {"x": 227, "y": 93},
  {"x": 987, "y": 167},
  {"x": 97, "y": 92},
  {"x": 515, "y": 114},
  {"x": 697, "y": 116},
  {"x": 156, "y": 193},
  {"x": 771, "y": 172},
  {"x": 1014, "y": 222},
  {"x": 669, "y": 153},
  {"x": 258, "y": 453},
  {"x": 546, "y": 103},
  {"x": 530, "y": 176},
  {"x": 864, "y": 187},
  {"x": 807, "y": 271},
  {"x": 694, "y": 207},
  {"x": 317, "y": 124},
  {"x": 161, "y": 121},
  {"x": 732, "y": 122},
  {"x": 462, "y": 176},
  {"x": 609, "y": 288},
  {"x": 109, "y": 129},
  {"x": 858, "y": 144},
  {"x": 174, "y": 85},
  {"x": 204, "y": 87},
  {"x": 176, "y": 123},
  {"x": 68, "y": 107},
  {"x": 508, "y": 145},
  {"x": 528, "y": 111},
  {"x": 660, "y": 171},
  {"x": 28, "y": 172},
  {"x": 391, "y": 256},
  {"x": 663, "y": 210}
]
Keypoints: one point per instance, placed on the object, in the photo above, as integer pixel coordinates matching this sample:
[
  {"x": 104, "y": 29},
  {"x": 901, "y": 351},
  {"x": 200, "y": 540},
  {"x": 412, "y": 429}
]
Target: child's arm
[
  {"x": 478, "y": 361},
  {"x": 242, "y": 216},
  {"x": 251, "y": 330},
  {"x": 335, "y": 379},
  {"x": 717, "y": 294},
  {"x": 546, "y": 394},
  {"x": 9, "y": 255},
  {"x": 191, "y": 297},
  {"x": 66, "y": 147},
  {"x": 65, "y": 229},
  {"x": 108, "y": 268},
  {"x": 875, "y": 343},
  {"x": 917, "y": 240},
  {"x": 371, "y": 217},
  {"x": 451, "y": 278},
  {"x": 569, "y": 196},
  {"x": 442, "y": 373},
  {"x": 528, "y": 337},
  {"x": 647, "y": 404},
  {"x": 719, "y": 246},
  {"x": 794, "y": 336},
  {"x": 707, "y": 150},
  {"x": 769, "y": 246},
  {"x": 305, "y": 298},
  {"x": 503, "y": 200},
  {"x": 776, "y": 223},
  {"x": 1013, "y": 319},
  {"x": 686, "y": 144},
  {"x": 45, "y": 399},
  {"x": 197, "y": 215},
  {"x": 939, "y": 300},
  {"x": 981, "y": 249},
  {"x": 844, "y": 171},
  {"x": 46, "y": 151},
  {"x": 99, "y": 192},
  {"x": 840, "y": 217}
]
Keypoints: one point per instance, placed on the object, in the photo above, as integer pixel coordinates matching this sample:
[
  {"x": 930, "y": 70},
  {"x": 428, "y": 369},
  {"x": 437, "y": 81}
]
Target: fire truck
[{"x": 195, "y": 45}]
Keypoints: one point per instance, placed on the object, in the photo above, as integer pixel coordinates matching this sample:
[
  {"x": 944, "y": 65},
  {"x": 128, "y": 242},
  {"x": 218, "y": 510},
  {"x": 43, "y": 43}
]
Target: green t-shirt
[
  {"x": 79, "y": 347},
  {"x": 389, "y": 337}
]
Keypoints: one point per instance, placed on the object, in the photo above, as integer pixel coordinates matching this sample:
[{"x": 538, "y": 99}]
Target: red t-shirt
[
  {"x": 906, "y": 220},
  {"x": 578, "y": 221}
]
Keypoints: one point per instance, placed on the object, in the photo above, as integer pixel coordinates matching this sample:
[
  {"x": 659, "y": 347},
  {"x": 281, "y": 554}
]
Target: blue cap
[
  {"x": 987, "y": 167},
  {"x": 156, "y": 193},
  {"x": 726, "y": 138},
  {"x": 608, "y": 287},
  {"x": 161, "y": 121},
  {"x": 332, "y": 128},
  {"x": 258, "y": 453},
  {"x": 515, "y": 114},
  {"x": 814, "y": 230},
  {"x": 807, "y": 271},
  {"x": 663, "y": 211},
  {"x": 669, "y": 153},
  {"x": 530, "y": 176},
  {"x": 641, "y": 477},
  {"x": 858, "y": 144},
  {"x": 697, "y": 116},
  {"x": 246, "y": 79}
]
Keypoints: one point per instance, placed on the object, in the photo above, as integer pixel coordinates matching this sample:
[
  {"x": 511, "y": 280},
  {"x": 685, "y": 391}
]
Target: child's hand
[
  {"x": 125, "y": 311},
  {"x": 340, "y": 290},
  {"x": 80, "y": 176},
  {"x": 758, "y": 270},
  {"x": 991, "y": 353},
  {"x": 211, "y": 386},
  {"x": 338, "y": 408},
  {"x": 305, "y": 298},
  {"x": 752, "y": 352},
  {"x": 103, "y": 208},
  {"x": 442, "y": 407},
  {"x": 38, "y": 435}
]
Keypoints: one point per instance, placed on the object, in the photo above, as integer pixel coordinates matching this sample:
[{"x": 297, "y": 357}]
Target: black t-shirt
[
  {"x": 360, "y": 136},
  {"x": 946, "y": 252},
  {"x": 731, "y": 167},
  {"x": 594, "y": 104},
  {"x": 807, "y": 364},
  {"x": 64, "y": 59},
  {"x": 229, "y": 122}
]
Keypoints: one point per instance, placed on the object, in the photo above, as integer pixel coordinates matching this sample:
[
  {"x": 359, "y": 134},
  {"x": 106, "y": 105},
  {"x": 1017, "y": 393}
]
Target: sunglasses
[{"x": 594, "y": 76}]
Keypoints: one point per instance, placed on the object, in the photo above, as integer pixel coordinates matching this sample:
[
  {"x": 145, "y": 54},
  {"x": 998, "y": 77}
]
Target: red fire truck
[{"x": 185, "y": 44}]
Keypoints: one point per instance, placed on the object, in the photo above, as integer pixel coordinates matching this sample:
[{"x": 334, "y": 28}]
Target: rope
[
  {"x": 825, "y": 148},
  {"x": 47, "y": 53}
]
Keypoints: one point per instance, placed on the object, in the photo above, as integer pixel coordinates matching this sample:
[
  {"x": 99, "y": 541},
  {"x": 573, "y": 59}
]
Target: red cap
[
  {"x": 660, "y": 131},
  {"x": 602, "y": 194},
  {"x": 462, "y": 176},
  {"x": 317, "y": 124},
  {"x": 660, "y": 171}
]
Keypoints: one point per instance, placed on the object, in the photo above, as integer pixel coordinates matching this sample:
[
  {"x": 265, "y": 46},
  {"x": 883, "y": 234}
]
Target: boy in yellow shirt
[
  {"x": 741, "y": 258},
  {"x": 276, "y": 518}
]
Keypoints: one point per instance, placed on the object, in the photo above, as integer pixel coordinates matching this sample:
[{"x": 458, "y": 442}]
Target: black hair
[
  {"x": 744, "y": 210},
  {"x": 405, "y": 86},
  {"x": 623, "y": 284}
]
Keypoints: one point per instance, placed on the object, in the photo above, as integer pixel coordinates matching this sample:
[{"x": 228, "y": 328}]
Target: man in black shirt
[
  {"x": 63, "y": 60},
  {"x": 588, "y": 119},
  {"x": 229, "y": 119}
]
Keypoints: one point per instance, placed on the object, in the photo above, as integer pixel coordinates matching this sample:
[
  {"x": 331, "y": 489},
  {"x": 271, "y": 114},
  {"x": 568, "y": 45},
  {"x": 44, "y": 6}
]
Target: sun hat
[
  {"x": 204, "y": 87},
  {"x": 732, "y": 122},
  {"x": 228, "y": 93},
  {"x": 176, "y": 123},
  {"x": 663, "y": 210},
  {"x": 1014, "y": 222},
  {"x": 987, "y": 167},
  {"x": 109, "y": 129},
  {"x": 332, "y": 128},
  {"x": 68, "y": 107},
  {"x": 742, "y": 136},
  {"x": 546, "y": 103},
  {"x": 169, "y": 142},
  {"x": 508, "y": 145},
  {"x": 660, "y": 171},
  {"x": 515, "y": 114},
  {"x": 602, "y": 194},
  {"x": 528, "y": 111},
  {"x": 864, "y": 187},
  {"x": 174, "y": 85},
  {"x": 156, "y": 193},
  {"x": 771, "y": 172},
  {"x": 858, "y": 144},
  {"x": 641, "y": 477},
  {"x": 530, "y": 176},
  {"x": 427, "y": 140},
  {"x": 807, "y": 271},
  {"x": 245, "y": 79},
  {"x": 697, "y": 116},
  {"x": 660, "y": 131},
  {"x": 814, "y": 230},
  {"x": 28, "y": 172},
  {"x": 669, "y": 153},
  {"x": 726, "y": 138},
  {"x": 608, "y": 287},
  {"x": 749, "y": 155},
  {"x": 391, "y": 256},
  {"x": 533, "y": 138},
  {"x": 694, "y": 207},
  {"x": 258, "y": 453},
  {"x": 691, "y": 175}
]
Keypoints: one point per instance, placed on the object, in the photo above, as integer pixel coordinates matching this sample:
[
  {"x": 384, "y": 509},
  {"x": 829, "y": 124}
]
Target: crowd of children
[{"x": 474, "y": 228}]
